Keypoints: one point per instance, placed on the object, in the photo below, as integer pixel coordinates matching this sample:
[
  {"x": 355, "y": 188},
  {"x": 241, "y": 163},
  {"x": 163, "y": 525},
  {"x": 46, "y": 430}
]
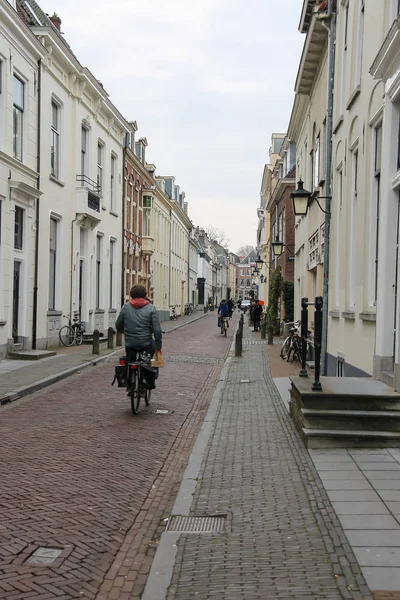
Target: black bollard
[
  {"x": 239, "y": 342},
  {"x": 110, "y": 341},
  {"x": 270, "y": 336},
  {"x": 119, "y": 338},
  {"x": 96, "y": 342},
  {"x": 304, "y": 329},
  {"x": 316, "y": 386}
]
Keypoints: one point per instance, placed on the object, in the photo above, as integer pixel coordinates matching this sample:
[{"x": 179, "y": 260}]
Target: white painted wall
[{"x": 19, "y": 54}]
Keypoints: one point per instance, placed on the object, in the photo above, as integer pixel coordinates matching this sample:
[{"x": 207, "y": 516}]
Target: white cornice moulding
[{"x": 387, "y": 60}]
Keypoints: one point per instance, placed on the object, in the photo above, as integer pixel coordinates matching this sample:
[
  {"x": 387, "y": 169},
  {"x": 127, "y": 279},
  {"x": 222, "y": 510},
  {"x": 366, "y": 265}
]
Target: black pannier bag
[
  {"x": 121, "y": 373},
  {"x": 149, "y": 375}
]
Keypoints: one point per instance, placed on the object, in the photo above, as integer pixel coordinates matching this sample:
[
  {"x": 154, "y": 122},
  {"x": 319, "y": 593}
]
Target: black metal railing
[
  {"x": 88, "y": 183},
  {"x": 93, "y": 190},
  {"x": 93, "y": 201}
]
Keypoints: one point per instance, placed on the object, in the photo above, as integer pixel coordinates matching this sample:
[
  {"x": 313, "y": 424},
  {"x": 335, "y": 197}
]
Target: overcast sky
[{"x": 208, "y": 82}]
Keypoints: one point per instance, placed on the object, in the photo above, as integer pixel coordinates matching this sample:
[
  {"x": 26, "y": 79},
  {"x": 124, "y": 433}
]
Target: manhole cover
[
  {"x": 215, "y": 524},
  {"x": 44, "y": 556}
]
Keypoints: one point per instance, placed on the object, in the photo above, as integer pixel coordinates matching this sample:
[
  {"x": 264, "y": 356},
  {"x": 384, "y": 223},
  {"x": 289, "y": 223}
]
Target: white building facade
[
  {"x": 20, "y": 57},
  {"x": 81, "y": 165},
  {"x": 385, "y": 70}
]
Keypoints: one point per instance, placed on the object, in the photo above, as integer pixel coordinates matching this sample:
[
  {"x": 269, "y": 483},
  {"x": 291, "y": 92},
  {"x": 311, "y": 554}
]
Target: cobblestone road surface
[
  {"x": 79, "y": 473},
  {"x": 284, "y": 540}
]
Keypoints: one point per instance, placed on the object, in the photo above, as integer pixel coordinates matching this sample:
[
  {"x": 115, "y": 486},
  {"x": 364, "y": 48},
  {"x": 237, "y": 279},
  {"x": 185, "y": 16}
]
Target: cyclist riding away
[
  {"x": 223, "y": 312},
  {"x": 139, "y": 321}
]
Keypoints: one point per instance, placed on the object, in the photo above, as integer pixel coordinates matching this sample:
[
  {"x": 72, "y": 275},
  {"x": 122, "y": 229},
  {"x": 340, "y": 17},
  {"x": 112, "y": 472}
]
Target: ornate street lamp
[
  {"x": 300, "y": 200},
  {"x": 277, "y": 246},
  {"x": 259, "y": 263}
]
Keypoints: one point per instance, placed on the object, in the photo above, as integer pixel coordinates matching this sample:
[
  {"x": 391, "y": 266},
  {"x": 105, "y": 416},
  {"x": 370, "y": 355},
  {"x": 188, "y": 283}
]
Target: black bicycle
[
  {"x": 140, "y": 379},
  {"x": 73, "y": 332}
]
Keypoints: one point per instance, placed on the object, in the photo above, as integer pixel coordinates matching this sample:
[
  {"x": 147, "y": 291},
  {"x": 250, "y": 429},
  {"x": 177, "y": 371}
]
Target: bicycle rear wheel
[
  {"x": 284, "y": 350},
  {"x": 135, "y": 394},
  {"x": 67, "y": 335}
]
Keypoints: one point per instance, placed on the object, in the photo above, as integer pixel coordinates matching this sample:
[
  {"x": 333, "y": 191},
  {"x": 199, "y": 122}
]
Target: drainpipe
[
  {"x": 169, "y": 259},
  {"x": 188, "y": 269},
  {"x": 123, "y": 226},
  {"x": 328, "y": 179},
  {"x": 72, "y": 267},
  {"x": 37, "y": 222}
]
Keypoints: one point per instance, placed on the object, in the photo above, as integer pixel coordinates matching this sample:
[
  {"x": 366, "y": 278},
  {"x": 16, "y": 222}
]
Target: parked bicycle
[
  {"x": 288, "y": 341},
  {"x": 188, "y": 309},
  {"x": 173, "y": 315},
  {"x": 292, "y": 346},
  {"x": 73, "y": 332}
]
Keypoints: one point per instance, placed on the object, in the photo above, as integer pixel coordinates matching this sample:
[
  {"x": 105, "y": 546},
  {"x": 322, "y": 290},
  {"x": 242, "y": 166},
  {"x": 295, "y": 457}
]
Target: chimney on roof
[{"x": 55, "y": 19}]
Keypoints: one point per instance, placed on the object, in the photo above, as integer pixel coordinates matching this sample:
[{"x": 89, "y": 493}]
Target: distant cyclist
[{"x": 223, "y": 311}]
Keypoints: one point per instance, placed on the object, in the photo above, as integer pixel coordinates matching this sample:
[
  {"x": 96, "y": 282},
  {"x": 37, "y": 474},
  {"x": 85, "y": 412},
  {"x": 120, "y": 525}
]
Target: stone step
[
  {"x": 358, "y": 438},
  {"x": 17, "y": 347},
  {"x": 31, "y": 354},
  {"x": 378, "y": 420},
  {"x": 89, "y": 340},
  {"x": 89, "y": 334}
]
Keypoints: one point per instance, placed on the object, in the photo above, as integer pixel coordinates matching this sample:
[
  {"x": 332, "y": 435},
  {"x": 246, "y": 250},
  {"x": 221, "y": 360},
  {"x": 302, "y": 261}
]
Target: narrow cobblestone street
[
  {"x": 283, "y": 540},
  {"x": 79, "y": 472}
]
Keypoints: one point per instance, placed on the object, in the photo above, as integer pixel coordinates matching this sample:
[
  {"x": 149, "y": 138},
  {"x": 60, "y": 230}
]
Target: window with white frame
[
  {"x": 99, "y": 254},
  {"x": 316, "y": 162},
  {"x": 146, "y": 218},
  {"x": 112, "y": 271},
  {"x": 360, "y": 42},
  {"x": 353, "y": 228},
  {"x": 53, "y": 262},
  {"x": 84, "y": 152},
  {"x": 313, "y": 250},
  {"x": 322, "y": 242},
  {"x": 55, "y": 139},
  {"x": 376, "y": 203},
  {"x": 112, "y": 182},
  {"x": 18, "y": 117},
  {"x": 339, "y": 205},
  {"x": 345, "y": 26},
  {"x": 100, "y": 160},
  {"x": 19, "y": 228}
]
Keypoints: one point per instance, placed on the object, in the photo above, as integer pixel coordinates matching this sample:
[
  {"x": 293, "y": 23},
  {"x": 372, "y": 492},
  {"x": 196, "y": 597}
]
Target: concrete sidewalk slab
[{"x": 255, "y": 470}]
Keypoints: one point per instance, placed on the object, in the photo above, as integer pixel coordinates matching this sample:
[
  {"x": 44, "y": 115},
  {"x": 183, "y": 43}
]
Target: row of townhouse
[
  {"x": 345, "y": 126},
  {"x": 83, "y": 215}
]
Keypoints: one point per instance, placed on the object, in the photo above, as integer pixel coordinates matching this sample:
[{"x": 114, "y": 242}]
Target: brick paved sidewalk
[
  {"x": 18, "y": 378},
  {"x": 283, "y": 539}
]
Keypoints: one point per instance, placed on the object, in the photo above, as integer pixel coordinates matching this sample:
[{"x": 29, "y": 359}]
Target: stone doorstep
[{"x": 31, "y": 354}]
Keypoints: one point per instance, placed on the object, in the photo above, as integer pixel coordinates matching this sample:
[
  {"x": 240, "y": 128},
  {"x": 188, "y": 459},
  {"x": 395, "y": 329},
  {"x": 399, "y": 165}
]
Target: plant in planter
[{"x": 272, "y": 312}]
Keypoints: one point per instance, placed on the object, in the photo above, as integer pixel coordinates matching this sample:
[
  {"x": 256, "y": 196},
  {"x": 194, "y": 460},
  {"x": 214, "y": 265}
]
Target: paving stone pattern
[
  {"x": 79, "y": 473},
  {"x": 285, "y": 541}
]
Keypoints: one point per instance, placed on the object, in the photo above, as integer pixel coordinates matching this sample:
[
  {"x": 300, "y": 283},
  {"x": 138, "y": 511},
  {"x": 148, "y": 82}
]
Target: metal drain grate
[
  {"x": 254, "y": 342},
  {"x": 44, "y": 556},
  {"x": 214, "y": 524}
]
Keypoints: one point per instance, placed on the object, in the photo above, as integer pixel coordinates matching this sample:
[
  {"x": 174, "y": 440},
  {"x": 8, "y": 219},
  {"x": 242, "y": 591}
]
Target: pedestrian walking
[{"x": 256, "y": 315}]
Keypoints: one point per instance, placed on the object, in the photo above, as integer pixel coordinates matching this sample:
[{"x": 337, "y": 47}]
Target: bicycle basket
[
  {"x": 149, "y": 375},
  {"x": 120, "y": 376}
]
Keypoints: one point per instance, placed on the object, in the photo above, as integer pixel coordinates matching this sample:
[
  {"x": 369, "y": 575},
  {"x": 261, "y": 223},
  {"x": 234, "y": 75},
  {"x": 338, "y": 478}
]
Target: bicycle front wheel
[
  {"x": 67, "y": 335},
  {"x": 284, "y": 350}
]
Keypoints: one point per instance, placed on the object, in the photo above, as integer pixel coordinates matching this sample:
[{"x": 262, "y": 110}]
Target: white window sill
[
  {"x": 57, "y": 181},
  {"x": 338, "y": 124}
]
